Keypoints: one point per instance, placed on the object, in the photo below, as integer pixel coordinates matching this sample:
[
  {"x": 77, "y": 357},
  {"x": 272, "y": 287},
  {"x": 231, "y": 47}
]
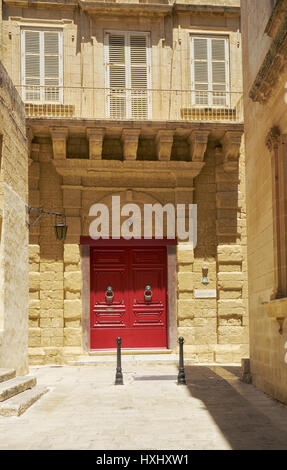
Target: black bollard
[
  {"x": 181, "y": 374},
  {"x": 119, "y": 374}
]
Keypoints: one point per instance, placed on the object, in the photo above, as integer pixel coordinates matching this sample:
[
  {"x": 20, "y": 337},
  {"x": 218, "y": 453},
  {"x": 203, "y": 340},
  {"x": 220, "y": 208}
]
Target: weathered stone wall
[
  {"x": 83, "y": 43},
  {"x": 267, "y": 346},
  {"x": 14, "y": 233},
  {"x": 214, "y": 328}
]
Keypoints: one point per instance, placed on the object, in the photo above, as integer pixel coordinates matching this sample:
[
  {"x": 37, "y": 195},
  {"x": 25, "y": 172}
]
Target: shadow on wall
[{"x": 241, "y": 421}]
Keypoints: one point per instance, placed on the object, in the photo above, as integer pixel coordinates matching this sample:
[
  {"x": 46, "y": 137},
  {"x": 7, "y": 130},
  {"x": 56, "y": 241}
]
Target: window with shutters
[
  {"x": 128, "y": 75},
  {"x": 42, "y": 65},
  {"x": 210, "y": 71}
]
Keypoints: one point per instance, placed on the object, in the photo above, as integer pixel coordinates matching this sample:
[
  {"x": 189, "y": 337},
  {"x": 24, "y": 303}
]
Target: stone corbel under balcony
[
  {"x": 130, "y": 139},
  {"x": 231, "y": 151},
  {"x": 59, "y": 139},
  {"x": 277, "y": 311},
  {"x": 95, "y": 137},
  {"x": 164, "y": 142},
  {"x": 198, "y": 145}
]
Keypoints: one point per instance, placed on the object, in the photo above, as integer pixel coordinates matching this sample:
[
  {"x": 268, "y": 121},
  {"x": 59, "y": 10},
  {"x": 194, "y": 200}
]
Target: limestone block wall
[
  {"x": 267, "y": 345},
  {"x": 215, "y": 329},
  {"x": 14, "y": 232}
]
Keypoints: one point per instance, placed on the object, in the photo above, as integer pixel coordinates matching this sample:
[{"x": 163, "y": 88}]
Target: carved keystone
[
  {"x": 164, "y": 142},
  {"x": 231, "y": 151},
  {"x": 59, "y": 139},
  {"x": 130, "y": 139},
  {"x": 198, "y": 144},
  {"x": 95, "y": 137}
]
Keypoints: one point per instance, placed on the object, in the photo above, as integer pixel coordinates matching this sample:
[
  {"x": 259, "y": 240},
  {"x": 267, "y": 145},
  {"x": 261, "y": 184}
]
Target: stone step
[
  {"x": 7, "y": 374},
  {"x": 131, "y": 358},
  {"x": 16, "y": 405},
  {"x": 14, "y": 386}
]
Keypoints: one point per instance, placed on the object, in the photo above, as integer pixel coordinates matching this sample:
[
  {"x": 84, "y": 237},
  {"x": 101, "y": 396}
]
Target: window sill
[{"x": 277, "y": 311}]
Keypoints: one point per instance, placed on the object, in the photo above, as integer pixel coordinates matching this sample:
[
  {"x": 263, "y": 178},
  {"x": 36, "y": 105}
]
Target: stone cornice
[
  {"x": 132, "y": 9},
  {"x": 48, "y": 4},
  {"x": 41, "y": 126},
  {"x": 276, "y": 18},
  {"x": 207, "y": 9},
  {"x": 85, "y": 167},
  {"x": 106, "y": 7},
  {"x": 273, "y": 66}
]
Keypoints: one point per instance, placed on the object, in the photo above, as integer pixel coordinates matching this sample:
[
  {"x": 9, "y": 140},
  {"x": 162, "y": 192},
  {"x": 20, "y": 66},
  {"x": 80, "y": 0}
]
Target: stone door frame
[{"x": 87, "y": 242}]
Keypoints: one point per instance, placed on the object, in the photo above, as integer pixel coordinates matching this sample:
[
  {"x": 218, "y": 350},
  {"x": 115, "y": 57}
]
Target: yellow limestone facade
[
  {"x": 264, "y": 28},
  {"x": 14, "y": 272},
  {"x": 182, "y": 146}
]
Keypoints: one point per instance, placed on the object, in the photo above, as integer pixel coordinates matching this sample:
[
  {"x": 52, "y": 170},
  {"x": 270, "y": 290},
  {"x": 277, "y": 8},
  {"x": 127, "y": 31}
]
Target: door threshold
[{"x": 132, "y": 352}]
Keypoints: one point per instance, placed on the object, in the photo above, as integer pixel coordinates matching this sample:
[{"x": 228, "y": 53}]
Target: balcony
[{"x": 131, "y": 104}]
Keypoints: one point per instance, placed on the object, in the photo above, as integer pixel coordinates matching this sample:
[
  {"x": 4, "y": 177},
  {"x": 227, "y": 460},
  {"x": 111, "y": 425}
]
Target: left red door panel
[{"x": 108, "y": 306}]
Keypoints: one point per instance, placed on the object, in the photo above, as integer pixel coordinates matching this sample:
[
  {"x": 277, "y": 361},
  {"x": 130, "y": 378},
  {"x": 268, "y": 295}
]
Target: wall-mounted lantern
[
  {"x": 60, "y": 221},
  {"x": 205, "y": 280}
]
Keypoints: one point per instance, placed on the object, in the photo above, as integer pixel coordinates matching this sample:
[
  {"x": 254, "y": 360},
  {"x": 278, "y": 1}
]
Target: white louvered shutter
[
  {"x": 200, "y": 70},
  {"x": 42, "y": 65},
  {"x": 139, "y": 76},
  {"x": 116, "y": 72},
  {"x": 52, "y": 65},
  {"x": 210, "y": 70},
  {"x": 127, "y": 72},
  {"x": 219, "y": 61},
  {"x": 31, "y": 70}
]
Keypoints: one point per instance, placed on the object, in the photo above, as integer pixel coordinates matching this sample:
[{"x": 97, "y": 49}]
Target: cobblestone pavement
[{"x": 84, "y": 410}]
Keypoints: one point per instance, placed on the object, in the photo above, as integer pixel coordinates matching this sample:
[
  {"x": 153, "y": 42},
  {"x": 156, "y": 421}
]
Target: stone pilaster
[
  {"x": 232, "y": 320},
  {"x": 130, "y": 139},
  {"x": 198, "y": 145},
  {"x": 59, "y": 139},
  {"x": 72, "y": 296},
  {"x": 164, "y": 142},
  {"x": 95, "y": 137}
]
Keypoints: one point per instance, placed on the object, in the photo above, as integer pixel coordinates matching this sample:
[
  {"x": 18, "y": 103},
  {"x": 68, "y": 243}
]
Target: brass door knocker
[
  {"x": 109, "y": 294},
  {"x": 148, "y": 293}
]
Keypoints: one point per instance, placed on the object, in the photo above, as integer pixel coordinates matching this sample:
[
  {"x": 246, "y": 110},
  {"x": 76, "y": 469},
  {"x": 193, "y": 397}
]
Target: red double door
[{"x": 128, "y": 297}]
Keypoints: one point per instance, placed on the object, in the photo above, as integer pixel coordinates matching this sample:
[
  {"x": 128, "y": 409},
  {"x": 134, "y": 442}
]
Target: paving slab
[{"x": 85, "y": 410}]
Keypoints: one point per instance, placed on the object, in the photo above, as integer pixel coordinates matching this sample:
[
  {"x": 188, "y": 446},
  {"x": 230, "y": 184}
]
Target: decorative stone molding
[
  {"x": 277, "y": 311},
  {"x": 130, "y": 139},
  {"x": 95, "y": 137},
  {"x": 164, "y": 142},
  {"x": 231, "y": 151},
  {"x": 273, "y": 139},
  {"x": 275, "y": 19},
  {"x": 198, "y": 145},
  {"x": 59, "y": 139},
  {"x": 274, "y": 63}
]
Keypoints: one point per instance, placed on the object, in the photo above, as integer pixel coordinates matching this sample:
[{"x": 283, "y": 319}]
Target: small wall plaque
[{"x": 205, "y": 294}]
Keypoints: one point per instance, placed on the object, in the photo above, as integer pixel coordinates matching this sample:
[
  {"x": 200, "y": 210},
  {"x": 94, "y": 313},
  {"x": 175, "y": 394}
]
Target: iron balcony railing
[{"x": 131, "y": 104}]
